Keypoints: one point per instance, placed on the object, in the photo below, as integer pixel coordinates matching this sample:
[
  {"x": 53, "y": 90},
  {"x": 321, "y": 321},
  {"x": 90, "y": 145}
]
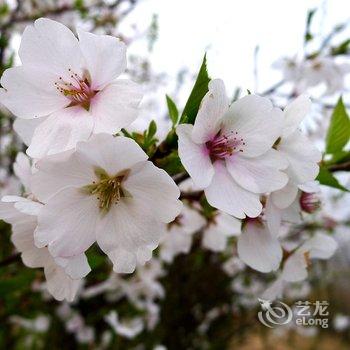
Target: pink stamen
[
  {"x": 223, "y": 146},
  {"x": 78, "y": 89}
]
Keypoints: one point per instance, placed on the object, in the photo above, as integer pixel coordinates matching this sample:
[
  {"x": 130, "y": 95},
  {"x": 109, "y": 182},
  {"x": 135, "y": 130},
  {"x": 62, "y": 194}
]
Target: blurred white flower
[
  {"x": 105, "y": 191},
  {"x": 70, "y": 85},
  {"x": 325, "y": 70},
  {"x": 306, "y": 200},
  {"x": 40, "y": 324},
  {"x": 341, "y": 322},
  {"x": 178, "y": 236},
  {"x": 228, "y": 151},
  {"x": 320, "y": 246},
  {"x": 126, "y": 328},
  {"x": 311, "y": 72},
  {"x": 218, "y": 231}
]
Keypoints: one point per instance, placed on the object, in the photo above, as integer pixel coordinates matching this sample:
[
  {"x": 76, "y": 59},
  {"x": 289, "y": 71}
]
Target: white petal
[
  {"x": 113, "y": 154},
  {"x": 310, "y": 187},
  {"x": 123, "y": 260},
  {"x": 228, "y": 225},
  {"x": 295, "y": 268},
  {"x": 256, "y": 121},
  {"x": 75, "y": 267},
  {"x": 321, "y": 246},
  {"x": 174, "y": 242},
  {"x": 225, "y": 194},
  {"x": 144, "y": 254},
  {"x": 214, "y": 239},
  {"x": 273, "y": 216},
  {"x": 71, "y": 232},
  {"x": 50, "y": 45},
  {"x": 191, "y": 221},
  {"x": 284, "y": 197},
  {"x": 261, "y": 174},
  {"x": 25, "y": 128},
  {"x": 59, "y": 171},
  {"x": 155, "y": 188},
  {"x": 213, "y": 107},
  {"x": 294, "y": 113},
  {"x": 258, "y": 248},
  {"x": 23, "y": 170},
  {"x": 274, "y": 291},
  {"x": 104, "y": 55},
  {"x": 116, "y": 106},
  {"x": 30, "y": 92},
  {"x": 59, "y": 284},
  {"x": 194, "y": 157},
  {"x": 128, "y": 226},
  {"x": 302, "y": 157},
  {"x": 60, "y": 132}
]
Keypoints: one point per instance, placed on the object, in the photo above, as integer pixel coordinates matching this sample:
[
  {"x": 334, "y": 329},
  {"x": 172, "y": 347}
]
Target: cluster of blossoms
[
  {"x": 314, "y": 71},
  {"x": 86, "y": 184}
]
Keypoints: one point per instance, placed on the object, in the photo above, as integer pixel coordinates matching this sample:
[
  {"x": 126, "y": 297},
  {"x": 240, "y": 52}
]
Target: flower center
[
  {"x": 309, "y": 202},
  {"x": 108, "y": 189},
  {"x": 77, "y": 89},
  {"x": 223, "y": 146}
]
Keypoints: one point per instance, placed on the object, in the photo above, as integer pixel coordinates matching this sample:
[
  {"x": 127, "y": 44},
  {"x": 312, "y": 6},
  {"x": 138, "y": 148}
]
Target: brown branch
[
  {"x": 340, "y": 167},
  {"x": 192, "y": 196}
]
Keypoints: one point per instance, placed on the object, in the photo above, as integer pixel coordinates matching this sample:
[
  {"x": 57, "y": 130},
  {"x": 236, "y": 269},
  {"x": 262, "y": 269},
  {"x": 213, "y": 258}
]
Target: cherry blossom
[
  {"x": 70, "y": 86},
  {"x": 258, "y": 247},
  {"x": 105, "y": 191},
  {"x": 320, "y": 246},
  {"x": 63, "y": 276},
  {"x": 228, "y": 151},
  {"x": 178, "y": 236}
]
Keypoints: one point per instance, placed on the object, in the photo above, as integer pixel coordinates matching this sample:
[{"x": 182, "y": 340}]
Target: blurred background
[{"x": 198, "y": 300}]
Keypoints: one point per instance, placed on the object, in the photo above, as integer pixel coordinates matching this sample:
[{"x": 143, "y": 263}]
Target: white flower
[
  {"x": 325, "y": 70},
  {"x": 233, "y": 266},
  {"x": 64, "y": 279},
  {"x": 258, "y": 247},
  {"x": 306, "y": 200},
  {"x": 40, "y": 324},
  {"x": 70, "y": 85},
  {"x": 320, "y": 246},
  {"x": 228, "y": 151},
  {"x": 178, "y": 236},
  {"x": 301, "y": 154},
  {"x": 219, "y": 230},
  {"x": 126, "y": 328},
  {"x": 314, "y": 72},
  {"x": 63, "y": 276},
  {"x": 105, "y": 191}
]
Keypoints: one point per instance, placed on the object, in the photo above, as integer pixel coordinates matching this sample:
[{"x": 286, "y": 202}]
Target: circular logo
[{"x": 276, "y": 315}]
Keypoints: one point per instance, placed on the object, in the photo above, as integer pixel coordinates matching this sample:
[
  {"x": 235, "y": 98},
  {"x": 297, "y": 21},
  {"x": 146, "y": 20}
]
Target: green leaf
[
  {"x": 341, "y": 49},
  {"x": 339, "y": 129},
  {"x": 308, "y": 35},
  {"x": 325, "y": 177},
  {"x": 171, "y": 163},
  {"x": 173, "y": 112},
  {"x": 152, "y": 129},
  {"x": 199, "y": 90}
]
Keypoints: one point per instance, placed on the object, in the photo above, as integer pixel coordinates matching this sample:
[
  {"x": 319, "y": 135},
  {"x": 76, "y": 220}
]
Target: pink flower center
[
  {"x": 309, "y": 202},
  {"x": 77, "y": 89},
  {"x": 224, "y": 145}
]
